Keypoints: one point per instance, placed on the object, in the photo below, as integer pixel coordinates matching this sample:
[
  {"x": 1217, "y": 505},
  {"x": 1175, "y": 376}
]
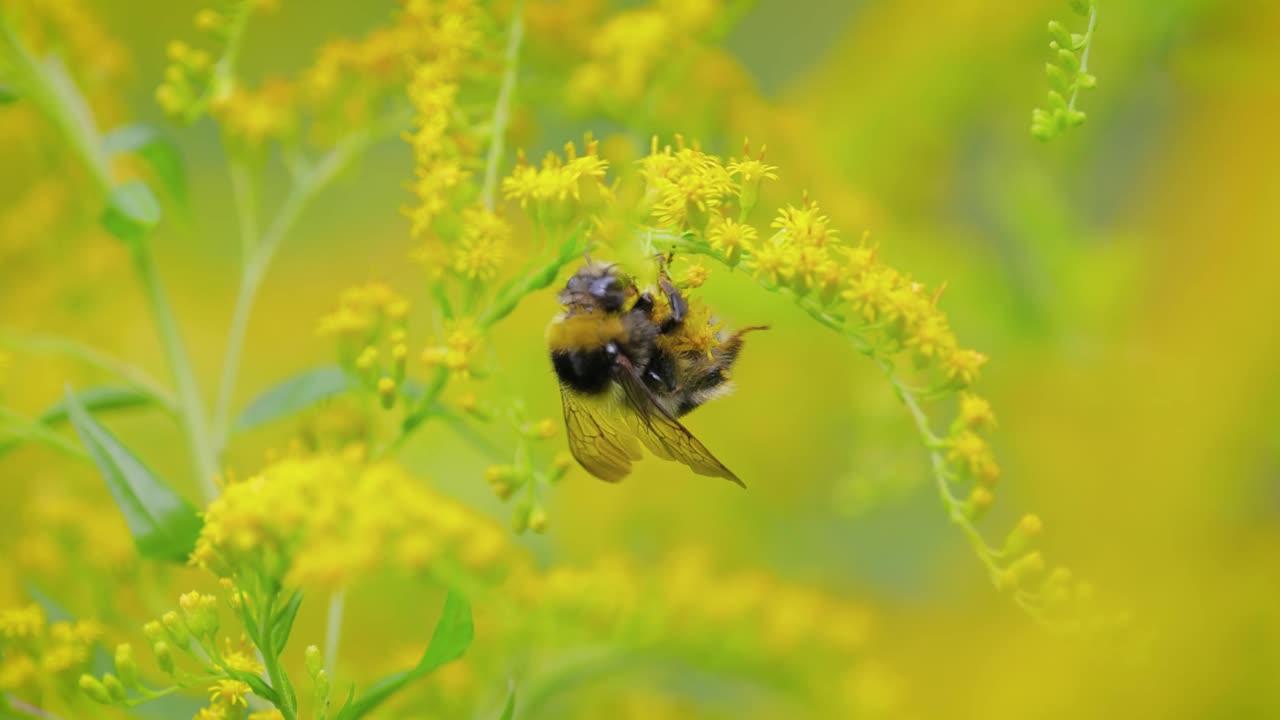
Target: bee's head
[{"x": 596, "y": 285}]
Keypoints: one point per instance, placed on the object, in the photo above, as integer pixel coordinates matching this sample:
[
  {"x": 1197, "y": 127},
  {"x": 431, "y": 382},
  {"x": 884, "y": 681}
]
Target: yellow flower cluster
[
  {"x": 684, "y": 186},
  {"x": 253, "y": 117},
  {"x": 485, "y": 239},
  {"x": 373, "y": 341},
  {"x": 746, "y": 619},
  {"x": 625, "y": 53},
  {"x": 71, "y": 27},
  {"x": 195, "y": 77},
  {"x": 60, "y": 530},
  {"x": 444, "y": 37},
  {"x": 288, "y": 523},
  {"x": 32, "y": 650},
  {"x": 551, "y": 185},
  {"x": 458, "y": 351}
]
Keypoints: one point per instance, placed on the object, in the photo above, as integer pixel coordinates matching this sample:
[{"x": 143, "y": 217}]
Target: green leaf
[
  {"x": 260, "y": 688},
  {"x": 164, "y": 525},
  {"x": 94, "y": 400},
  {"x": 293, "y": 395},
  {"x": 7, "y": 94},
  {"x": 282, "y": 624},
  {"x": 159, "y": 150},
  {"x": 132, "y": 210},
  {"x": 98, "y": 399},
  {"x": 453, "y": 634}
]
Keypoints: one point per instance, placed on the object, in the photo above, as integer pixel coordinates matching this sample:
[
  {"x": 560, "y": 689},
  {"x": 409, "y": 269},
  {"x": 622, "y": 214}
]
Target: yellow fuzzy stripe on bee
[{"x": 585, "y": 331}]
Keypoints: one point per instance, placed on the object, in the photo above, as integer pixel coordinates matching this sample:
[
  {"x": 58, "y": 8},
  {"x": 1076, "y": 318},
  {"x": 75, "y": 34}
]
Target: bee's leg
[
  {"x": 727, "y": 354},
  {"x": 644, "y": 303},
  {"x": 711, "y": 379},
  {"x": 679, "y": 306}
]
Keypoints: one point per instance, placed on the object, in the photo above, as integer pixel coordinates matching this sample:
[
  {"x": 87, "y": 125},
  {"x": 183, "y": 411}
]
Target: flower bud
[
  {"x": 1022, "y": 535},
  {"x": 177, "y": 631},
  {"x": 538, "y": 519},
  {"x": 164, "y": 657},
  {"x": 94, "y": 688},
  {"x": 979, "y": 501},
  {"x": 126, "y": 666},
  {"x": 114, "y": 687},
  {"x": 1023, "y": 569},
  {"x": 387, "y": 392},
  {"x": 314, "y": 661},
  {"x": 322, "y": 686},
  {"x": 520, "y": 517},
  {"x": 154, "y": 631}
]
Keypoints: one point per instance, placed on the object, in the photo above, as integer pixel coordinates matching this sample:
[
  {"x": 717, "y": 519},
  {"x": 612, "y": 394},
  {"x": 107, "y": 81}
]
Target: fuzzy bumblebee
[{"x": 630, "y": 363}]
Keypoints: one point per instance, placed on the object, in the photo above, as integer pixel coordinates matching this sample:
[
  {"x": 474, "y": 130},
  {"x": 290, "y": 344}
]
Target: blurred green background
[{"x": 1121, "y": 279}]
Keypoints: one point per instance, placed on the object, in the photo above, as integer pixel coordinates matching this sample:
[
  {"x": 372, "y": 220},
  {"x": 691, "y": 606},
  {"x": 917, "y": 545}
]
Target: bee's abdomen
[{"x": 585, "y": 371}]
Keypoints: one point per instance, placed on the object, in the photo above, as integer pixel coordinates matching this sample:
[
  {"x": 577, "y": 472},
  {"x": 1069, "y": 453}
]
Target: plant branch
[
  {"x": 502, "y": 109},
  {"x": 1084, "y": 55}
]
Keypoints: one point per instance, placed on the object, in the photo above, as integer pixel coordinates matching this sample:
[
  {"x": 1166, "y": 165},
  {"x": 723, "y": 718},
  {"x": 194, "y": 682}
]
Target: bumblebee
[{"x": 629, "y": 365}]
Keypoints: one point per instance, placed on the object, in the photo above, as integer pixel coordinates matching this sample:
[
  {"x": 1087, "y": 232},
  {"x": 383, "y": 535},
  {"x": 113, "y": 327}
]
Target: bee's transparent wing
[
  {"x": 599, "y": 442},
  {"x": 661, "y": 432}
]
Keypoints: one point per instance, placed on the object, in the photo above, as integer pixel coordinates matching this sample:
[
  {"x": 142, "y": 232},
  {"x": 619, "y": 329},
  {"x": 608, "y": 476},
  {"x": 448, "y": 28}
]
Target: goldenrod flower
[
  {"x": 684, "y": 185},
  {"x": 975, "y": 412},
  {"x": 485, "y": 238},
  {"x": 730, "y": 237},
  {"x": 805, "y": 226},
  {"x": 229, "y": 693}
]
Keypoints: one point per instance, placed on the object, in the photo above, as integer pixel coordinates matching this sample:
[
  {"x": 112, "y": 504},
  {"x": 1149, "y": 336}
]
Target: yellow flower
[
  {"x": 975, "y": 411},
  {"x": 485, "y": 238},
  {"x": 272, "y": 714},
  {"x": 962, "y": 366},
  {"x": 730, "y": 237},
  {"x": 805, "y": 226},
  {"x": 556, "y": 179},
  {"x": 240, "y": 657},
  {"x": 21, "y": 623},
  {"x": 230, "y": 693},
  {"x": 684, "y": 185},
  {"x": 749, "y": 170},
  {"x": 774, "y": 260},
  {"x": 254, "y": 117},
  {"x": 695, "y": 275},
  {"x": 969, "y": 451},
  {"x": 321, "y": 521},
  {"x": 459, "y": 349}
]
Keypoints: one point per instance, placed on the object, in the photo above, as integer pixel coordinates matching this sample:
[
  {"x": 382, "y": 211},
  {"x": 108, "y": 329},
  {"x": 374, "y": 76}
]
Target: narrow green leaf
[
  {"x": 159, "y": 150},
  {"x": 98, "y": 399},
  {"x": 453, "y": 634},
  {"x": 282, "y": 625},
  {"x": 293, "y": 395},
  {"x": 260, "y": 688},
  {"x": 250, "y": 625},
  {"x": 16, "y": 429},
  {"x": 164, "y": 525},
  {"x": 132, "y": 210}
]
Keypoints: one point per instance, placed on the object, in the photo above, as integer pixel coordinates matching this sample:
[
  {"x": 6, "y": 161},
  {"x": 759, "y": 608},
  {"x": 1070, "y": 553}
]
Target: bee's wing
[
  {"x": 661, "y": 432},
  {"x": 599, "y": 442}
]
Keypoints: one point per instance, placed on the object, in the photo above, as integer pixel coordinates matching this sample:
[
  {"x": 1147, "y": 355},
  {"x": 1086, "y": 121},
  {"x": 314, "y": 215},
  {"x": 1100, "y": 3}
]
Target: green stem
[
  {"x": 256, "y": 265},
  {"x": 333, "y": 629},
  {"x": 48, "y": 85},
  {"x": 502, "y": 108},
  {"x": 271, "y": 659},
  {"x": 190, "y": 404},
  {"x": 1084, "y": 56},
  {"x": 55, "y": 94},
  {"x": 54, "y": 345}
]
